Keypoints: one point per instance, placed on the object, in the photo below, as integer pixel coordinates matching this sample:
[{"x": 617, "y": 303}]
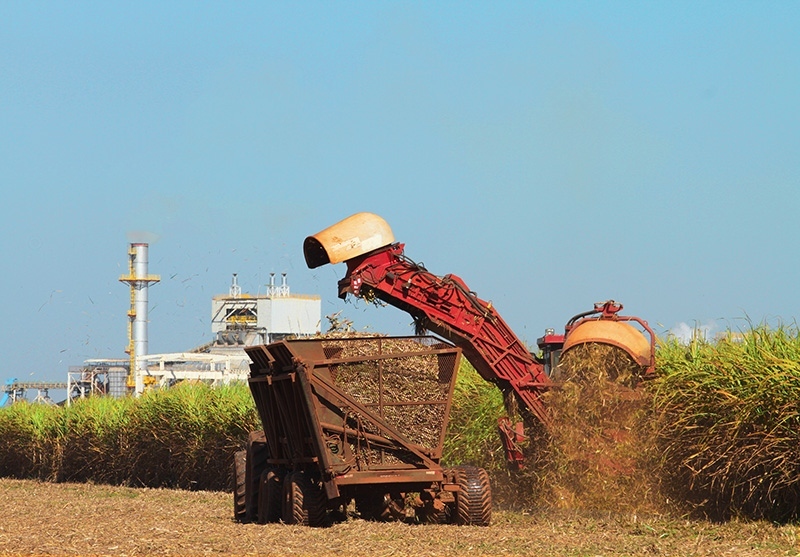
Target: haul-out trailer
[{"x": 355, "y": 420}]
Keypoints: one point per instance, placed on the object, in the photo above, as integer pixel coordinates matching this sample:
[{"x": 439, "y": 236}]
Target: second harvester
[{"x": 378, "y": 269}]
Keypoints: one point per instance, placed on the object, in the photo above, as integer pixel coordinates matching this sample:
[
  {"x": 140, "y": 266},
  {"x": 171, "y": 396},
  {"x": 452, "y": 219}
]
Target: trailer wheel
[
  {"x": 239, "y": 485},
  {"x": 303, "y": 502},
  {"x": 270, "y": 496},
  {"x": 429, "y": 514},
  {"x": 256, "y": 462},
  {"x": 474, "y": 496}
]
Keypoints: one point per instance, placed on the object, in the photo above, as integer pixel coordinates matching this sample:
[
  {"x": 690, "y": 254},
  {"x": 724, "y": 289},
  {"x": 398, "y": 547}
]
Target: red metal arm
[{"x": 446, "y": 306}]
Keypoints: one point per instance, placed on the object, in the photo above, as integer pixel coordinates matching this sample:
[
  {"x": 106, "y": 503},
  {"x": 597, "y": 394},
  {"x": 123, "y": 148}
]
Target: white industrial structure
[
  {"x": 237, "y": 320},
  {"x": 164, "y": 370},
  {"x": 14, "y": 391},
  {"x": 98, "y": 377},
  {"x": 245, "y": 320}
]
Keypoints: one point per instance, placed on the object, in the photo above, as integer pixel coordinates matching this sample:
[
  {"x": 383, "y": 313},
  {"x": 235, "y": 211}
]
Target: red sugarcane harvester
[{"x": 378, "y": 269}]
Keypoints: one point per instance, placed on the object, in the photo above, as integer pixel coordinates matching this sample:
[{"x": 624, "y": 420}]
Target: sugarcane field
[{"x": 625, "y": 470}]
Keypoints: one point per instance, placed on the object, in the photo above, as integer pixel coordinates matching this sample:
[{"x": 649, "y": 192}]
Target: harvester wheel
[
  {"x": 270, "y": 494},
  {"x": 303, "y": 501},
  {"x": 474, "y": 496},
  {"x": 239, "y": 484}
]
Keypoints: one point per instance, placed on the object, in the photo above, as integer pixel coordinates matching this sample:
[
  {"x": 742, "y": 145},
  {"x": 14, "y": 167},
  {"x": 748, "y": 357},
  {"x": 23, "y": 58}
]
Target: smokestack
[
  {"x": 140, "y": 301},
  {"x": 139, "y": 281}
]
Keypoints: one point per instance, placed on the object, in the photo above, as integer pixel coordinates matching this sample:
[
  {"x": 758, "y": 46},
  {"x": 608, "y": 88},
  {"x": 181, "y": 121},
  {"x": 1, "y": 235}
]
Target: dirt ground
[{"x": 70, "y": 519}]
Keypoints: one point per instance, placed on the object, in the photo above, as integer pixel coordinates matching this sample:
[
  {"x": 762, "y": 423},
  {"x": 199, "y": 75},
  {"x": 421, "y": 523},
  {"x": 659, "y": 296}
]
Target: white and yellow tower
[{"x": 139, "y": 280}]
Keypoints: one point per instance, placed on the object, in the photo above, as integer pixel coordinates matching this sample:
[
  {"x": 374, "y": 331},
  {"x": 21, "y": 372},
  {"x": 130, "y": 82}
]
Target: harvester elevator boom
[{"x": 446, "y": 307}]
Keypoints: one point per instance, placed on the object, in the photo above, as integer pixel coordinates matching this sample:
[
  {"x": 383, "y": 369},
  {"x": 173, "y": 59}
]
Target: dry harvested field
[{"x": 71, "y": 519}]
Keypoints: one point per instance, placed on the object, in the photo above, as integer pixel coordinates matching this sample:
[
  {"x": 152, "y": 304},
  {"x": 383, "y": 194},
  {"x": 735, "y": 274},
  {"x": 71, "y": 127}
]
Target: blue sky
[{"x": 552, "y": 154}]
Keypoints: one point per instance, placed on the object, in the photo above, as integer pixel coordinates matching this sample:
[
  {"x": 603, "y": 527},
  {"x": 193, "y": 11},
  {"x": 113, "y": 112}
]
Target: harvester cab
[{"x": 377, "y": 268}]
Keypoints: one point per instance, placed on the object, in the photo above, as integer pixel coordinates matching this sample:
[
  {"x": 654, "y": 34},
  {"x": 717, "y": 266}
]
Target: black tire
[
  {"x": 429, "y": 514},
  {"x": 239, "y": 485},
  {"x": 270, "y": 496},
  {"x": 256, "y": 463},
  {"x": 303, "y": 502},
  {"x": 474, "y": 497}
]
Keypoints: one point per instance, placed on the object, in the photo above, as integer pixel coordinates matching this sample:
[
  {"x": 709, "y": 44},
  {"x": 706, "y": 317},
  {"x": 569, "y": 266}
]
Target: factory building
[{"x": 237, "y": 320}]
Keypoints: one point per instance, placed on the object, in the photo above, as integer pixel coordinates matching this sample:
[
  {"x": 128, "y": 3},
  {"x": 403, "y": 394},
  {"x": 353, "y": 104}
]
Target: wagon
[{"x": 354, "y": 425}]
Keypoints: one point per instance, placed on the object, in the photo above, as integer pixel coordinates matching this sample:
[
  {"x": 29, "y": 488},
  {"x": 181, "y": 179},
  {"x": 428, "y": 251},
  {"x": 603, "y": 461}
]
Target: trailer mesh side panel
[
  {"x": 407, "y": 392},
  {"x": 380, "y": 402}
]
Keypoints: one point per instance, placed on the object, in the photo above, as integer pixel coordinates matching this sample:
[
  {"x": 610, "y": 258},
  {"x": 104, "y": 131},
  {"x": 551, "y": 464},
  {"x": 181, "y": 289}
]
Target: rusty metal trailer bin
[{"x": 354, "y": 420}]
